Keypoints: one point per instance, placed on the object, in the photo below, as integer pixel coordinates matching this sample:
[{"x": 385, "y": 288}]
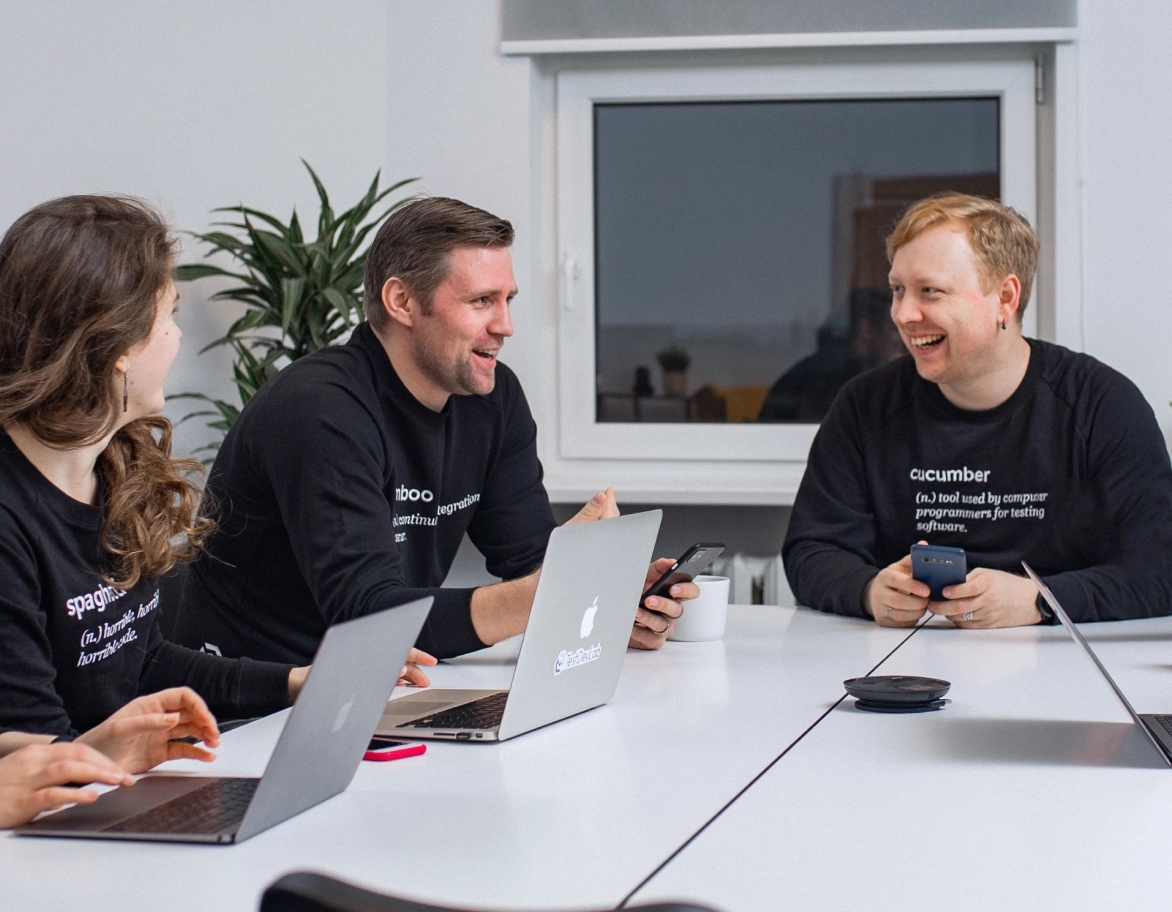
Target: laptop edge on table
[
  {"x": 1149, "y": 723},
  {"x": 321, "y": 745}
]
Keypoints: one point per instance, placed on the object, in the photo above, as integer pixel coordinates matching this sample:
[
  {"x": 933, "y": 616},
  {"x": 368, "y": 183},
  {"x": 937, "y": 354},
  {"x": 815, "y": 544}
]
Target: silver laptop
[
  {"x": 574, "y": 643},
  {"x": 319, "y": 750},
  {"x": 1157, "y": 728}
]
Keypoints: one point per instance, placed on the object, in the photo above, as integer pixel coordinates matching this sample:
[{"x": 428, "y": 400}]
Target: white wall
[
  {"x": 1126, "y": 126},
  {"x": 458, "y": 114},
  {"x": 202, "y": 104},
  {"x": 192, "y": 105}
]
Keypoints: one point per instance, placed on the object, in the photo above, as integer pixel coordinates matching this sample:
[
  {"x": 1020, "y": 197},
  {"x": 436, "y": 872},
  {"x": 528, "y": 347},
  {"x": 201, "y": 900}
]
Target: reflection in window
[{"x": 739, "y": 250}]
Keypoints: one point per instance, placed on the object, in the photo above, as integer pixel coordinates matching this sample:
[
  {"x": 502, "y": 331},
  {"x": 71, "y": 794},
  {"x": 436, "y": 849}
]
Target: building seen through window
[{"x": 741, "y": 271}]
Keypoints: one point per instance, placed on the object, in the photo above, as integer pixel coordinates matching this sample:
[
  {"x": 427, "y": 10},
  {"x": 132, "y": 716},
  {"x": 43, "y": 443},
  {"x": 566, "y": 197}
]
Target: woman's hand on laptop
[
  {"x": 35, "y": 778},
  {"x": 142, "y": 734},
  {"x": 412, "y": 673},
  {"x": 655, "y": 619}
]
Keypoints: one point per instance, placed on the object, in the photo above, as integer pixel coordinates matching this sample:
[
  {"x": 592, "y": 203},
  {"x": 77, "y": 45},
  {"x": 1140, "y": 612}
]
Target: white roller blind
[{"x": 536, "y": 20}]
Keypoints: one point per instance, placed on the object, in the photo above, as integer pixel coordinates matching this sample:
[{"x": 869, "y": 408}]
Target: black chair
[{"x": 304, "y": 891}]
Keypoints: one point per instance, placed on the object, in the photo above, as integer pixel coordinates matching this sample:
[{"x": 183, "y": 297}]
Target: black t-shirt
[
  {"x": 74, "y": 649},
  {"x": 338, "y": 494},
  {"x": 1070, "y": 474}
]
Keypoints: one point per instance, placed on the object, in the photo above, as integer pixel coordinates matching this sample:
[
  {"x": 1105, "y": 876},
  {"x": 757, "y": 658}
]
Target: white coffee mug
[{"x": 704, "y": 617}]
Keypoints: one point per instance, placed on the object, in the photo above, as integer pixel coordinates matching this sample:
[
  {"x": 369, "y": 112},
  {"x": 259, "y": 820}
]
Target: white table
[
  {"x": 571, "y": 816},
  {"x": 1029, "y": 791}
]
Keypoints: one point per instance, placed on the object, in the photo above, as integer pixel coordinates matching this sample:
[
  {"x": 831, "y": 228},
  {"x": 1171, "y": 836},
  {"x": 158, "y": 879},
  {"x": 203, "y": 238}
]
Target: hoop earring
[{"x": 126, "y": 389}]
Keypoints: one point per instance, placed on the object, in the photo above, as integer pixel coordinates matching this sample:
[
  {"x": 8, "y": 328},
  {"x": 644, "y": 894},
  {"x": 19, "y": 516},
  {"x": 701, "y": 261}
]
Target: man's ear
[
  {"x": 398, "y": 302},
  {"x": 1009, "y": 297}
]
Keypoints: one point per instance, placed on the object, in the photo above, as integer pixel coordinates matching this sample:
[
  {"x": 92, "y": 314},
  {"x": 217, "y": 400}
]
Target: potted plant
[
  {"x": 299, "y": 295},
  {"x": 674, "y": 362}
]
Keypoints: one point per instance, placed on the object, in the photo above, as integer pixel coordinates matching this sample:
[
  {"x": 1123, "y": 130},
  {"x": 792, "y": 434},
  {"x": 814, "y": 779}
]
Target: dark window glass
[{"x": 739, "y": 249}]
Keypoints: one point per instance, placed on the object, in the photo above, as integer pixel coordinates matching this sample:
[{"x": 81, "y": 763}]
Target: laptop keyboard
[
  {"x": 1165, "y": 723},
  {"x": 212, "y": 808},
  {"x": 485, "y": 713}
]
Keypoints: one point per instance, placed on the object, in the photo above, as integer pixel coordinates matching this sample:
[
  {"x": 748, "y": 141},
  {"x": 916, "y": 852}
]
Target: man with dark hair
[
  {"x": 349, "y": 480},
  {"x": 1011, "y": 448},
  {"x": 413, "y": 245}
]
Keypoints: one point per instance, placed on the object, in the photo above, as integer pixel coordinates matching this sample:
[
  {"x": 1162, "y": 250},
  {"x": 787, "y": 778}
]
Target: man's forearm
[
  {"x": 502, "y": 611},
  {"x": 828, "y": 578}
]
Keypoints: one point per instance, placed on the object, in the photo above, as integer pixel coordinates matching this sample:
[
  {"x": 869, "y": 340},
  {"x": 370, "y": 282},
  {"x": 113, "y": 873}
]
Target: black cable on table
[{"x": 663, "y": 864}]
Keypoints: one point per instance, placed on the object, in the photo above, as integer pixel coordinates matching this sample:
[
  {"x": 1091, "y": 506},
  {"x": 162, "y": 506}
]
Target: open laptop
[
  {"x": 574, "y": 643},
  {"x": 1157, "y": 728},
  {"x": 319, "y": 750}
]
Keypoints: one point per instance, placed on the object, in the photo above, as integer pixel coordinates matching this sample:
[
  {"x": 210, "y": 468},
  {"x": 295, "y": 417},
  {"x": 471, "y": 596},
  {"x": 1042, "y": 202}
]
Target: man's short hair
[
  {"x": 414, "y": 243},
  {"x": 1001, "y": 238}
]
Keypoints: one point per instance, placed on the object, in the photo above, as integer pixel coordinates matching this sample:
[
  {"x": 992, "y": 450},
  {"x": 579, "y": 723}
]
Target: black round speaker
[{"x": 897, "y": 693}]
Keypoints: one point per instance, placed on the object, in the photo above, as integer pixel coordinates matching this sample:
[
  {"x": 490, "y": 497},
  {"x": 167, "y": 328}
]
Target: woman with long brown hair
[{"x": 93, "y": 508}]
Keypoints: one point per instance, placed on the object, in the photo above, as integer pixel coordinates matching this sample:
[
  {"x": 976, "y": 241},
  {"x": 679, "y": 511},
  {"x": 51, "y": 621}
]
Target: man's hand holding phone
[
  {"x": 894, "y": 598},
  {"x": 982, "y": 598},
  {"x": 990, "y": 598},
  {"x": 668, "y": 584},
  {"x": 657, "y": 613}
]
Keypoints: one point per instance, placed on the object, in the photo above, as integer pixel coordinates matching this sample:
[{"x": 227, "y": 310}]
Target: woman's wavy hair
[{"x": 80, "y": 283}]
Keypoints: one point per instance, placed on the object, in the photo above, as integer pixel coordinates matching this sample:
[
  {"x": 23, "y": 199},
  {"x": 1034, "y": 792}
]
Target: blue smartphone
[{"x": 938, "y": 566}]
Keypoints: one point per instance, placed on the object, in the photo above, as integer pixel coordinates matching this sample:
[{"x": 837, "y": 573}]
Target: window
[
  {"x": 740, "y": 266},
  {"x": 694, "y": 225}
]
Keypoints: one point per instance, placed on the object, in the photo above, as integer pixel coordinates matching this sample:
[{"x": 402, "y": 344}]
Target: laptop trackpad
[{"x": 122, "y": 803}]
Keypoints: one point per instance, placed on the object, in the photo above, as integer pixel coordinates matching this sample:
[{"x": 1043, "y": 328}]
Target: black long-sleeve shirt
[
  {"x": 73, "y": 649},
  {"x": 339, "y": 494},
  {"x": 1070, "y": 474}
]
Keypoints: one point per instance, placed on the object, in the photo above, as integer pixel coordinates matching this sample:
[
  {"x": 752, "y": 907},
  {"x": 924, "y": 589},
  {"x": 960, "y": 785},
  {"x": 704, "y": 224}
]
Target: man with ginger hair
[{"x": 1011, "y": 448}]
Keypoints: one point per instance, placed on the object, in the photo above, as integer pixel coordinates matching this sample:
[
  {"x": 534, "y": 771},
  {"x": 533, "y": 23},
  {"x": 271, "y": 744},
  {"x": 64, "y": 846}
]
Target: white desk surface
[
  {"x": 574, "y": 815},
  {"x": 1027, "y": 792}
]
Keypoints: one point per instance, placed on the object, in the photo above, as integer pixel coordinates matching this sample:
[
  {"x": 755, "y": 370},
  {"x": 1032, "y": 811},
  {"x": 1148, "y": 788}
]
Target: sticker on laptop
[{"x": 579, "y": 656}]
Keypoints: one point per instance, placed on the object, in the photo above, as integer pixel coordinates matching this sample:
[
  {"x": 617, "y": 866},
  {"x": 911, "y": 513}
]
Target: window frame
[{"x": 580, "y": 435}]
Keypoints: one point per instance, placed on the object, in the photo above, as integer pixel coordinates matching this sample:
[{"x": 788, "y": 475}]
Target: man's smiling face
[
  {"x": 455, "y": 344},
  {"x": 948, "y": 320}
]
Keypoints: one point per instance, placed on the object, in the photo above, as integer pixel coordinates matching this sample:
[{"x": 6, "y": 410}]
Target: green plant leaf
[
  {"x": 343, "y": 303},
  {"x": 193, "y": 271},
  {"x": 327, "y": 214},
  {"x": 248, "y": 212},
  {"x": 292, "y": 292},
  {"x": 300, "y": 295}
]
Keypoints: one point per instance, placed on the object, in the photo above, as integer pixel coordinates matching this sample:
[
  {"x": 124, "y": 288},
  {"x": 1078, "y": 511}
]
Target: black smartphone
[
  {"x": 938, "y": 566},
  {"x": 689, "y": 565},
  {"x": 392, "y": 749}
]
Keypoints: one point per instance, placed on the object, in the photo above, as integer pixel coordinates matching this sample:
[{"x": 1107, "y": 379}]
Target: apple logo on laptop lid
[
  {"x": 588, "y": 620},
  {"x": 343, "y": 713}
]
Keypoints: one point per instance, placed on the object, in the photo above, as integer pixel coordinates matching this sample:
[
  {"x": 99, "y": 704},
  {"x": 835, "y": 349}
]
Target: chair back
[{"x": 305, "y": 891}]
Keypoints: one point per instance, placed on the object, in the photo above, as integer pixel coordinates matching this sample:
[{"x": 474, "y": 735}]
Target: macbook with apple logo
[
  {"x": 573, "y": 647},
  {"x": 319, "y": 750}
]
